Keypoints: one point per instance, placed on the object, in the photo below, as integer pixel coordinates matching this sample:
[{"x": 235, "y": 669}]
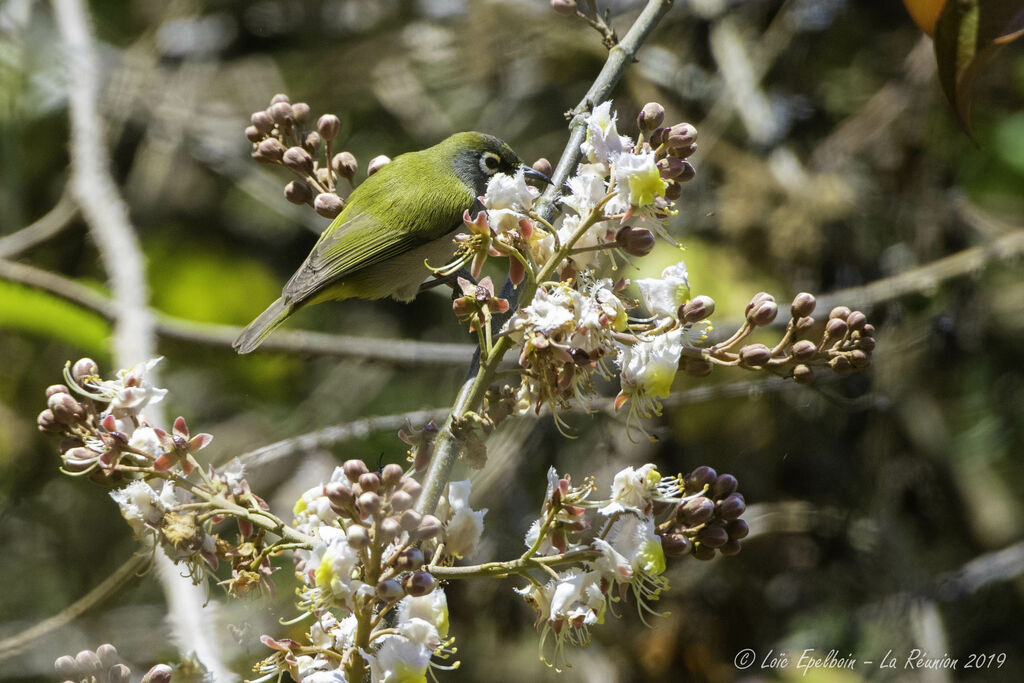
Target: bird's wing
[{"x": 352, "y": 246}]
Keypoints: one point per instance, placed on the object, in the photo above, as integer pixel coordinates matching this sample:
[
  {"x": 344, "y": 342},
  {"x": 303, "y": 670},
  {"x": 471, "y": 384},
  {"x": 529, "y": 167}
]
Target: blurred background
[{"x": 885, "y": 507}]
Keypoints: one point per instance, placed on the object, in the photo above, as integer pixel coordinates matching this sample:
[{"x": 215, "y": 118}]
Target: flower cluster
[
  {"x": 371, "y": 559},
  {"x": 622, "y": 543},
  {"x": 281, "y": 134},
  {"x": 104, "y": 665}
]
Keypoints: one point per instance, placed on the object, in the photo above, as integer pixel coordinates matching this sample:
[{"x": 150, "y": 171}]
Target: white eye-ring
[{"x": 489, "y": 162}]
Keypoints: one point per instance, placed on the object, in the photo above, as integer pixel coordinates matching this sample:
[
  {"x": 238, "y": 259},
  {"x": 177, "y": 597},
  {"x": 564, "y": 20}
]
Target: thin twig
[{"x": 46, "y": 226}]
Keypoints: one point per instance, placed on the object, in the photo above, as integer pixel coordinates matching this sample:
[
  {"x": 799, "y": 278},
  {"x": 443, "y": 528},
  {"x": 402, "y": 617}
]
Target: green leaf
[
  {"x": 968, "y": 32},
  {"x": 36, "y": 312}
]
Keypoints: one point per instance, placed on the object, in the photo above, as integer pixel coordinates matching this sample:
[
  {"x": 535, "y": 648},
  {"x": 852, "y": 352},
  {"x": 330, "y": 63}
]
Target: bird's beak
[{"x": 530, "y": 172}]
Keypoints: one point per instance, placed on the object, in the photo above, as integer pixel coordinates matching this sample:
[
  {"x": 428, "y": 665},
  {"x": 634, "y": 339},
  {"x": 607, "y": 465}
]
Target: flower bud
[
  {"x": 763, "y": 313},
  {"x": 47, "y": 422},
  {"x": 262, "y": 122},
  {"x": 803, "y": 305},
  {"x": 65, "y": 667},
  {"x": 866, "y": 343},
  {"x": 680, "y": 136},
  {"x": 841, "y": 312},
  {"x": 803, "y": 326},
  {"x": 696, "y": 511},
  {"x": 79, "y": 454},
  {"x": 57, "y": 389},
  {"x": 731, "y": 548},
  {"x": 253, "y": 135},
  {"x": 657, "y": 137},
  {"x": 419, "y": 584},
  {"x": 344, "y": 164},
  {"x": 271, "y": 149},
  {"x": 430, "y": 526},
  {"x": 868, "y": 330},
  {"x": 635, "y": 241},
  {"x": 737, "y": 529},
  {"x": 119, "y": 673},
  {"x": 412, "y": 487},
  {"x": 542, "y": 165},
  {"x": 697, "y": 308},
  {"x": 377, "y": 163},
  {"x": 357, "y": 536},
  {"x": 389, "y": 589},
  {"x": 84, "y": 368},
  {"x": 703, "y": 553},
  {"x": 300, "y": 110},
  {"x": 859, "y": 360},
  {"x": 88, "y": 662},
  {"x": 836, "y": 328},
  {"x": 564, "y": 7},
  {"x": 329, "y": 125},
  {"x": 66, "y": 410},
  {"x": 369, "y": 482},
  {"x": 411, "y": 559},
  {"x": 670, "y": 167},
  {"x": 804, "y": 350},
  {"x": 688, "y": 173},
  {"x": 713, "y": 536},
  {"x": 368, "y": 503},
  {"x": 724, "y": 485},
  {"x": 280, "y": 97},
  {"x": 410, "y": 520},
  {"x": 650, "y": 117},
  {"x": 697, "y": 367},
  {"x": 388, "y": 530},
  {"x": 675, "y": 545},
  {"x": 732, "y": 506},
  {"x": 755, "y": 355},
  {"x": 311, "y": 143},
  {"x": 699, "y": 478},
  {"x": 401, "y": 501},
  {"x": 391, "y": 475},
  {"x": 856, "y": 321},
  {"x": 107, "y": 654},
  {"x": 298, "y": 192},
  {"x": 673, "y": 191},
  {"x": 161, "y": 673},
  {"x": 803, "y": 374},
  {"x": 340, "y": 497},
  {"x": 298, "y": 160},
  {"x": 282, "y": 113}
]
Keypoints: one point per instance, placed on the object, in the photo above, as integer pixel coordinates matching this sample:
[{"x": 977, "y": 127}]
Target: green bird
[{"x": 399, "y": 217}]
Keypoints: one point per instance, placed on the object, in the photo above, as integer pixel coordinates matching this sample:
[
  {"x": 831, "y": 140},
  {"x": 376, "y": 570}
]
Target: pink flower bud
[{"x": 328, "y": 204}]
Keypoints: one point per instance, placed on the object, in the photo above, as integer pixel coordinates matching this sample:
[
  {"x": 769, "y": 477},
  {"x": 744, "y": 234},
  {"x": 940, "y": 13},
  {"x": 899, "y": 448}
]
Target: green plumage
[{"x": 403, "y": 214}]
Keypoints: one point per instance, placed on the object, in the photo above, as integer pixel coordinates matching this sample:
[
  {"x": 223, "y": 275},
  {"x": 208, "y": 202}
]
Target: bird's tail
[{"x": 253, "y": 335}]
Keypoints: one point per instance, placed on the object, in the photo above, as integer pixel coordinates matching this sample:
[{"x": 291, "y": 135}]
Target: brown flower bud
[
  {"x": 340, "y": 497},
  {"x": 411, "y": 559},
  {"x": 271, "y": 149},
  {"x": 687, "y": 173},
  {"x": 804, "y": 350},
  {"x": 650, "y": 117},
  {"x": 866, "y": 343},
  {"x": 803, "y": 326},
  {"x": 119, "y": 673},
  {"x": 88, "y": 662},
  {"x": 737, "y": 529},
  {"x": 344, "y": 164},
  {"x": 836, "y": 328},
  {"x": 856, "y": 320},
  {"x": 389, "y": 530},
  {"x": 311, "y": 143},
  {"x": 298, "y": 192},
  {"x": 670, "y": 167},
  {"x": 680, "y": 136},
  {"x": 696, "y": 511},
  {"x": 564, "y": 7},
  {"x": 673, "y": 191},
  {"x": 328, "y": 204},
  {"x": 368, "y": 503},
  {"x": 697, "y": 308},
  {"x": 84, "y": 368},
  {"x": 763, "y": 312},
  {"x": 683, "y": 152},
  {"x": 353, "y": 469},
  {"x": 724, "y": 485},
  {"x": 412, "y": 487},
  {"x": 542, "y": 165},
  {"x": 262, "y": 122},
  {"x": 868, "y": 330},
  {"x": 410, "y": 520},
  {"x": 675, "y": 545},
  {"x": 329, "y": 125},
  {"x": 280, "y": 97},
  {"x": 369, "y": 482},
  {"x": 703, "y": 552},
  {"x": 755, "y": 355},
  {"x": 391, "y": 475},
  {"x": 66, "y": 410},
  {"x": 657, "y": 137},
  {"x": 401, "y": 501},
  {"x": 161, "y": 673},
  {"x": 108, "y": 655},
  {"x": 252, "y": 134},
  {"x": 56, "y": 389},
  {"x": 377, "y": 163},
  {"x": 859, "y": 360},
  {"x": 300, "y": 110},
  {"x": 803, "y": 305},
  {"x": 840, "y": 365},
  {"x": 713, "y": 536},
  {"x": 389, "y": 589},
  {"x": 841, "y": 312},
  {"x": 65, "y": 667},
  {"x": 47, "y": 423},
  {"x": 282, "y": 113},
  {"x": 635, "y": 241},
  {"x": 357, "y": 536},
  {"x": 731, "y": 548},
  {"x": 298, "y": 160},
  {"x": 697, "y": 367},
  {"x": 430, "y": 526},
  {"x": 803, "y": 374},
  {"x": 699, "y": 478},
  {"x": 732, "y": 506},
  {"x": 419, "y": 584}
]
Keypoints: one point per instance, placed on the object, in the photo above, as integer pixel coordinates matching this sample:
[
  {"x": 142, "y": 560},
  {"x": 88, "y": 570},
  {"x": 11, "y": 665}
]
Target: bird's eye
[{"x": 489, "y": 162}]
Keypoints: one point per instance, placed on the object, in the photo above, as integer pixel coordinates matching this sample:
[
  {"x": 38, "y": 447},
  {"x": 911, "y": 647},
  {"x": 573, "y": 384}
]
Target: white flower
[
  {"x": 145, "y": 440},
  {"x": 664, "y": 297},
  {"x": 508, "y": 199},
  {"x": 431, "y": 608},
  {"x": 130, "y": 392},
  {"x": 331, "y": 564},
  {"x": 648, "y": 368},
  {"x": 463, "y": 531},
  {"x": 140, "y": 506},
  {"x": 549, "y": 313},
  {"x": 586, "y": 189},
  {"x": 399, "y": 660},
  {"x": 603, "y": 142},
  {"x": 633, "y": 489},
  {"x": 633, "y": 539},
  {"x": 637, "y": 179},
  {"x": 332, "y": 676},
  {"x": 578, "y": 598}
]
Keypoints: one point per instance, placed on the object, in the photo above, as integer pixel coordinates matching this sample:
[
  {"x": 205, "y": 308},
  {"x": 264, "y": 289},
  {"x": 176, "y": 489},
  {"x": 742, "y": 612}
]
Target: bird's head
[{"x": 476, "y": 157}]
